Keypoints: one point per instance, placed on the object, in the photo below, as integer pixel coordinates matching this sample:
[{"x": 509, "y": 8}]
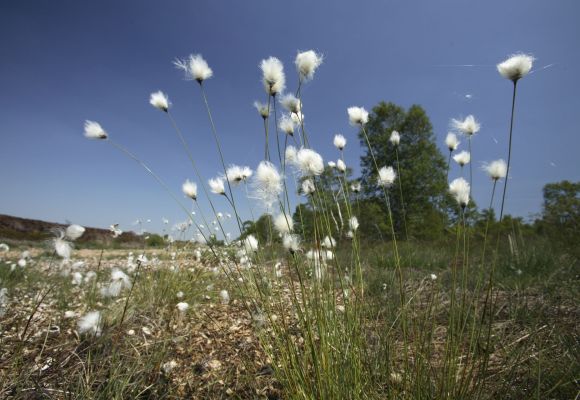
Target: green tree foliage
[
  {"x": 262, "y": 229},
  {"x": 561, "y": 211},
  {"x": 422, "y": 171}
]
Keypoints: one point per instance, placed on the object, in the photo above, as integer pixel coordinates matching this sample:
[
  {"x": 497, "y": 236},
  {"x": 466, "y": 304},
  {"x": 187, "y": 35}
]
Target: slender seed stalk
[{"x": 509, "y": 152}]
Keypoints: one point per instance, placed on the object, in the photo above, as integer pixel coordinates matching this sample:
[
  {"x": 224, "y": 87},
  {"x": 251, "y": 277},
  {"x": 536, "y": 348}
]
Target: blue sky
[{"x": 65, "y": 61}]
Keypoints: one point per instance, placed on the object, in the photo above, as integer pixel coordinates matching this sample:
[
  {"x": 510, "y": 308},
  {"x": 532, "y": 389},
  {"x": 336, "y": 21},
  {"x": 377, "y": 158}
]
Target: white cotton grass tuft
[
  {"x": 189, "y": 189},
  {"x": 309, "y": 162},
  {"x": 61, "y": 246},
  {"x": 462, "y": 158},
  {"x": 331, "y": 164},
  {"x": 4, "y": 248},
  {"x": 496, "y": 169},
  {"x": 119, "y": 281},
  {"x": 291, "y": 154},
  {"x": 284, "y": 223},
  {"x": 469, "y": 126},
  {"x": 395, "y": 138},
  {"x": 262, "y": 109},
  {"x": 93, "y": 130},
  {"x": 273, "y": 76},
  {"x": 250, "y": 244},
  {"x": 160, "y": 101},
  {"x": 291, "y": 242},
  {"x": 328, "y": 242},
  {"x": 516, "y": 66},
  {"x": 306, "y": 64},
  {"x": 356, "y": 187},
  {"x": 340, "y": 165},
  {"x": 195, "y": 68},
  {"x": 291, "y": 103},
  {"x": 339, "y": 142},
  {"x": 224, "y": 297},
  {"x": 451, "y": 141},
  {"x": 353, "y": 223},
  {"x": 387, "y": 176},
  {"x": 216, "y": 185},
  {"x": 287, "y": 125},
  {"x": 182, "y": 306},
  {"x": 459, "y": 188},
  {"x": 357, "y": 116},
  {"x": 74, "y": 231},
  {"x": 308, "y": 187},
  {"x": 236, "y": 174},
  {"x": 90, "y": 323},
  {"x": 298, "y": 118},
  {"x": 267, "y": 182}
]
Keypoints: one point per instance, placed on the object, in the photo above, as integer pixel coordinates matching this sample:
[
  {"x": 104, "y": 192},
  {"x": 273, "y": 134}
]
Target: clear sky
[{"x": 64, "y": 61}]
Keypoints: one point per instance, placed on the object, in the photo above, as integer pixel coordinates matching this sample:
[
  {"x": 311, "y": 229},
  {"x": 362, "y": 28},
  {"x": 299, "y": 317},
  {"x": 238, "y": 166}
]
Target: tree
[
  {"x": 422, "y": 169},
  {"x": 561, "y": 211}
]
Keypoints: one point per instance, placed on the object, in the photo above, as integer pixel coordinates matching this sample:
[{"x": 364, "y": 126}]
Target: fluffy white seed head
[
  {"x": 356, "y": 187},
  {"x": 451, "y": 141},
  {"x": 462, "y": 158},
  {"x": 291, "y": 242},
  {"x": 236, "y": 174},
  {"x": 340, "y": 165},
  {"x": 93, "y": 130},
  {"x": 283, "y": 223},
  {"x": 90, "y": 323},
  {"x": 287, "y": 125},
  {"x": 328, "y": 242},
  {"x": 298, "y": 118},
  {"x": 216, "y": 185},
  {"x": 496, "y": 169},
  {"x": 516, "y": 66},
  {"x": 195, "y": 68},
  {"x": 331, "y": 164},
  {"x": 459, "y": 188},
  {"x": 395, "y": 138},
  {"x": 387, "y": 176},
  {"x": 182, "y": 306},
  {"x": 309, "y": 162},
  {"x": 160, "y": 101},
  {"x": 357, "y": 116},
  {"x": 308, "y": 187},
  {"x": 339, "y": 142},
  {"x": 469, "y": 126},
  {"x": 62, "y": 247},
  {"x": 306, "y": 64},
  {"x": 291, "y": 103},
  {"x": 267, "y": 182},
  {"x": 273, "y": 76},
  {"x": 262, "y": 109},
  {"x": 353, "y": 223},
  {"x": 73, "y": 232},
  {"x": 291, "y": 154},
  {"x": 189, "y": 189},
  {"x": 224, "y": 297}
]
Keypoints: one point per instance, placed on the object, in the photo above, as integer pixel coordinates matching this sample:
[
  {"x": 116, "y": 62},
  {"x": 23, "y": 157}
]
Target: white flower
[
  {"x": 387, "y": 176},
  {"x": 462, "y": 158},
  {"x": 328, "y": 242},
  {"x": 357, "y": 116},
  {"x": 225, "y": 297},
  {"x": 516, "y": 66},
  {"x": 451, "y": 141},
  {"x": 291, "y": 103},
  {"x": 119, "y": 281},
  {"x": 306, "y": 64},
  {"x": 236, "y": 174},
  {"x": 273, "y": 76},
  {"x": 308, "y": 187},
  {"x": 355, "y": 187},
  {"x": 353, "y": 223},
  {"x": 469, "y": 126},
  {"x": 4, "y": 248},
  {"x": 169, "y": 365},
  {"x": 331, "y": 164},
  {"x": 262, "y": 109},
  {"x": 433, "y": 277},
  {"x": 291, "y": 242},
  {"x": 160, "y": 101},
  {"x": 298, "y": 118},
  {"x": 70, "y": 314},
  {"x": 291, "y": 154},
  {"x": 339, "y": 142},
  {"x": 283, "y": 223},
  {"x": 250, "y": 244},
  {"x": 62, "y": 247},
  {"x": 93, "y": 130},
  {"x": 189, "y": 189},
  {"x": 77, "y": 278},
  {"x": 267, "y": 182},
  {"x": 217, "y": 186},
  {"x": 287, "y": 125},
  {"x": 73, "y": 232},
  {"x": 182, "y": 307},
  {"x": 309, "y": 162},
  {"x": 180, "y": 294},
  {"x": 115, "y": 230},
  {"x": 459, "y": 188},
  {"x": 395, "y": 138},
  {"x": 496, "y": 169},
  {"x": 341, "y": 166},
  {"x": 22, "y": 262},
  {"x": 195, "y": 68},
  {"x": 90, "y": 323}
]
